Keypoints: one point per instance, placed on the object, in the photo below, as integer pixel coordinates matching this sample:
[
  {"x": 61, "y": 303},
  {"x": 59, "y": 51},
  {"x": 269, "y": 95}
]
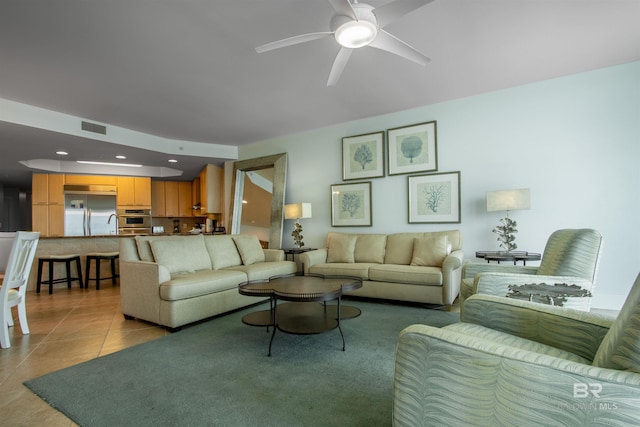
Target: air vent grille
[{"x": 93, "y": 127}]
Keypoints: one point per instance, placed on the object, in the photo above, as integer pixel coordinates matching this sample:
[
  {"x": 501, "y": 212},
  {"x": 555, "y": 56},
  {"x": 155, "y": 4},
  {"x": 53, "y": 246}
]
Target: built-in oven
[{"x": 134, "y": 221}]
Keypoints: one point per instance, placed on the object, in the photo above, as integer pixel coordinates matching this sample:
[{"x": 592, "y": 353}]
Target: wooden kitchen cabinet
[
  {"x": 47, "y": 204},
  {"x": 133, "y": 191},
  {"x": 172, "y": 198},
  {"x": 91, "y": 179},
  {"x": 184, "y": 196},
  {"x": 211, "y": 182},
  {"x": 157, "y": 199}
]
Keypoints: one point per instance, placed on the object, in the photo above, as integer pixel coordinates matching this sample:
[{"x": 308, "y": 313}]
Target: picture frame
[
  {"x": 434, "y": 198},
  {"x": 413, "y": 148},
  {"x": 363, "y": 156},
  {"x": 351, "y": 205}
]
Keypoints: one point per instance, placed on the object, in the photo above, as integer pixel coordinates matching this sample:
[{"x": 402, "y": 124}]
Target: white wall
[{"x": 574, "y": 141}]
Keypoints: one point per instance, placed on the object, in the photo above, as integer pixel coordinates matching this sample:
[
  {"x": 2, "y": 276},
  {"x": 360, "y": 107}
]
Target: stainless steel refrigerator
[{"x": 87, "y": 214}]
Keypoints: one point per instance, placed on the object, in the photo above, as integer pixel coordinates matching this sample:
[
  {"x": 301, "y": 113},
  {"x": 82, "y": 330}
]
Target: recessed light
[
  {"x": 129, "y": 165},
  {"x": 173, "y": 161},
  {"x": 121, "y": 157},
  {"x": 62, "y": 153}
]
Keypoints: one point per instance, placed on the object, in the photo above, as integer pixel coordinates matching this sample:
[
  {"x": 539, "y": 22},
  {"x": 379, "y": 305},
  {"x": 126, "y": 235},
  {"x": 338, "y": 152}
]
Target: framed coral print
[
  {"x": 413, "y": 148},
  {"x": 363, "y": 156},
  {"x": 351, "y": 205},
  {"x": 434, "y": 198}
]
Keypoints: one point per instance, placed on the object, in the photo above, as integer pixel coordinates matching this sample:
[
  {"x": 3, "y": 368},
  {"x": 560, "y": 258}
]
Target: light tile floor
[{"x": 68, "y": 327}]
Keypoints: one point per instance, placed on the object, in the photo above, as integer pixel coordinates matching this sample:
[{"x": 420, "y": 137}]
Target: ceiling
[{"x": 188, "y": 71}]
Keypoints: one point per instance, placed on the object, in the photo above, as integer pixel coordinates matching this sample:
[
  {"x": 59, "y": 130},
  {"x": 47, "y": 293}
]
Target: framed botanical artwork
[
  {"x": 434, "y": 198},
  {"x": 413, "y": 149},
  {"x": 363, "y": 156},
  {"x": 351, "y": 205}
]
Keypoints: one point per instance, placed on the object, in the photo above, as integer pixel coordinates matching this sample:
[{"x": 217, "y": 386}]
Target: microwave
[{"x": 129, "y": 219}]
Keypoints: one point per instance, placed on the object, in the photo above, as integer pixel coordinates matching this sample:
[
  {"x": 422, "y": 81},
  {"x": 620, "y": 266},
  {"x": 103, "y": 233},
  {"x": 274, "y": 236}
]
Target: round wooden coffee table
[{"x": 306, "y": 311}]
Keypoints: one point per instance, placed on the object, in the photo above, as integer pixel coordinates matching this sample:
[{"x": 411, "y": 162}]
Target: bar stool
[
  {"x": 51, "y": 260},
  {"x": 98, "y": 257}
]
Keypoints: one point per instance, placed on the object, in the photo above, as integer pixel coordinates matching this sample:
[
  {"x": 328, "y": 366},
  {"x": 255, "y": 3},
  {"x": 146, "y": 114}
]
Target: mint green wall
[{"x": 574, "y": 141}]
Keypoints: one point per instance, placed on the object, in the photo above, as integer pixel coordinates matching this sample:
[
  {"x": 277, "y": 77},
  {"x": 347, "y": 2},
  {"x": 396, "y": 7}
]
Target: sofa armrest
[
  {"x": 272, "y": 255},
  {"x": 317, "y": 256},
  {"x": 471, "y": 269},
  {"x": 140, "y": 289},
  {"x": 575, "y": 331},
  {"x": 447, "y": 378},
  {"x": 451, "y": 275}
]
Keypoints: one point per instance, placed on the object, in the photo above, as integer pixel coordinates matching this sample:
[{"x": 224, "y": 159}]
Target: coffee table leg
[
  {"x": 275, "y": 325},
  {"x": 339, "y": 328}
]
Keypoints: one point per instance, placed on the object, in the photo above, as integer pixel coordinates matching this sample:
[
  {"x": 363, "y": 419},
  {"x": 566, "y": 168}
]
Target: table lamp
[
  {"x": 508, "y": 200},
  {"x": 297, "y": 211}
]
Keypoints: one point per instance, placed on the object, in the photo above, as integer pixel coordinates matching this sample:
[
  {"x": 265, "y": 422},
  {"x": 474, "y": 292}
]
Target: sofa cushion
[
  {"x": 370, "y": 248},
  {"x": 249, "y": 248},
  {"x": 408, "y": 274},
  {"x": 181, "y": 253},
  {"x": 265, "y": 270},
  {"x": 341, "y": 248},
  {"x": 430, "y": 251},
  {"x": 222, "y": 251},
  {"x": 400, "y": 248},
  {"x": 203, "y": 282},
  {"x": 360, "y": 269},
  {"x": 144, "y": 248}
]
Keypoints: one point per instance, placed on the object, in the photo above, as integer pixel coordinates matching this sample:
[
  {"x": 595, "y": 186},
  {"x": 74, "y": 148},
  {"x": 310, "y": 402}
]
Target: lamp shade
[
  {"x": 297, "y": 211},
  {"x": 509, "y": 200}
]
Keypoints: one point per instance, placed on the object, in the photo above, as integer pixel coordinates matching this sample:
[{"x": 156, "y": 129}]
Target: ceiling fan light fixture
[{"x": 355, "y": 34}]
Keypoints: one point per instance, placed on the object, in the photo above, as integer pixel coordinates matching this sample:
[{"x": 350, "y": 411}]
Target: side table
[
  {"x": 295, "y": 251},
  {"x": 514, "y": 256}
]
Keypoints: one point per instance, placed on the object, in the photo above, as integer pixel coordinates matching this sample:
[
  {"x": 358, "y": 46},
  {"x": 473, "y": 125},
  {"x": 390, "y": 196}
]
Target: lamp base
[
  {"x": 297, "y": 235},
  {"x": 505, "y": 231}
]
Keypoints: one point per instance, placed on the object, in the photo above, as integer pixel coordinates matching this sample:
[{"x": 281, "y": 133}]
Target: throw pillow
[
  {"x": 144, "y": 248},
  {"x": 180, "y": 254},
  {"x": 370, "y": 248},
  {"x": 223, "y": 251},
  {"x": 341, "y": 248},
  {"x": 250, "y": 249},
  {"x": 429, "y": 251}
]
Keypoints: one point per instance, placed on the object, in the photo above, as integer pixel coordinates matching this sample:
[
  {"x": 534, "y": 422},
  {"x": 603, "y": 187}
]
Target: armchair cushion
[{"x": 571, "y": 252}]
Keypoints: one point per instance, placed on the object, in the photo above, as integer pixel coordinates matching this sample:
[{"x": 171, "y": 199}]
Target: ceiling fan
[{"x": 357, "y": 25}]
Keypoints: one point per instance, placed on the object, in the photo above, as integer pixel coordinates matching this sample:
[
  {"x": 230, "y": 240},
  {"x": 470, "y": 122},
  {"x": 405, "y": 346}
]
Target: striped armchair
[
  {"x": 570, "y": 256},
  {"x": 513, "y": 362}
]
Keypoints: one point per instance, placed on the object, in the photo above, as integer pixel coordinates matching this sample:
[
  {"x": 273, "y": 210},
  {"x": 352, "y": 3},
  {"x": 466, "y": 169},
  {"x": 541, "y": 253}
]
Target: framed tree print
[
  {"x": 363, "y": 156},
  {"x": 434, "y": 198},
  {"x": 413, "y": 148},
  {"x": 351, "y": 205}
]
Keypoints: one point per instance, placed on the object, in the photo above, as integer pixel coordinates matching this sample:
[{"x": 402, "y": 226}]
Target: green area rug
[{"x": 217, "y": 373}]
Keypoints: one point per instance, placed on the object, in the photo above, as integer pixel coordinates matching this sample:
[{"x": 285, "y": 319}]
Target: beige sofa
[
  {"x": 416, "y": 267},
  {"x": 176, "y": 280}
]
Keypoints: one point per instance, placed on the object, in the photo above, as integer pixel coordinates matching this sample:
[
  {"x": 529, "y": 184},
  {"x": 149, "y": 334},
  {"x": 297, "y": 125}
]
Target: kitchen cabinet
[
  {"x": 171, "y": 199},
  {"x": 47, "y": 204},
  {"x": 157, "y": 199},
  {"x": 211, "y": 181},
  {"x": 90, "y": 179},
  {"x": 133, "y": 191}
]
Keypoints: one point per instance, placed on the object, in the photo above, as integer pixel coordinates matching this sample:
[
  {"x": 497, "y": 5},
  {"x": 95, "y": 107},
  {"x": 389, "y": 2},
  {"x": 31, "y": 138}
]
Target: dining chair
[{"x": 14, "y": 283}]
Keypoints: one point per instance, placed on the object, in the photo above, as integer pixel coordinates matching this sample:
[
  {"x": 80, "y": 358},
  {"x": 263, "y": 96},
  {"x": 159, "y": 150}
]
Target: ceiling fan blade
[
  {"x": 390, "y": 43},
  {"x": 292, "y": 40},
  {"x": 338, "y": 65},
  {"x": 389, "y": 12},
  {"x": 343, "y": 7}
]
